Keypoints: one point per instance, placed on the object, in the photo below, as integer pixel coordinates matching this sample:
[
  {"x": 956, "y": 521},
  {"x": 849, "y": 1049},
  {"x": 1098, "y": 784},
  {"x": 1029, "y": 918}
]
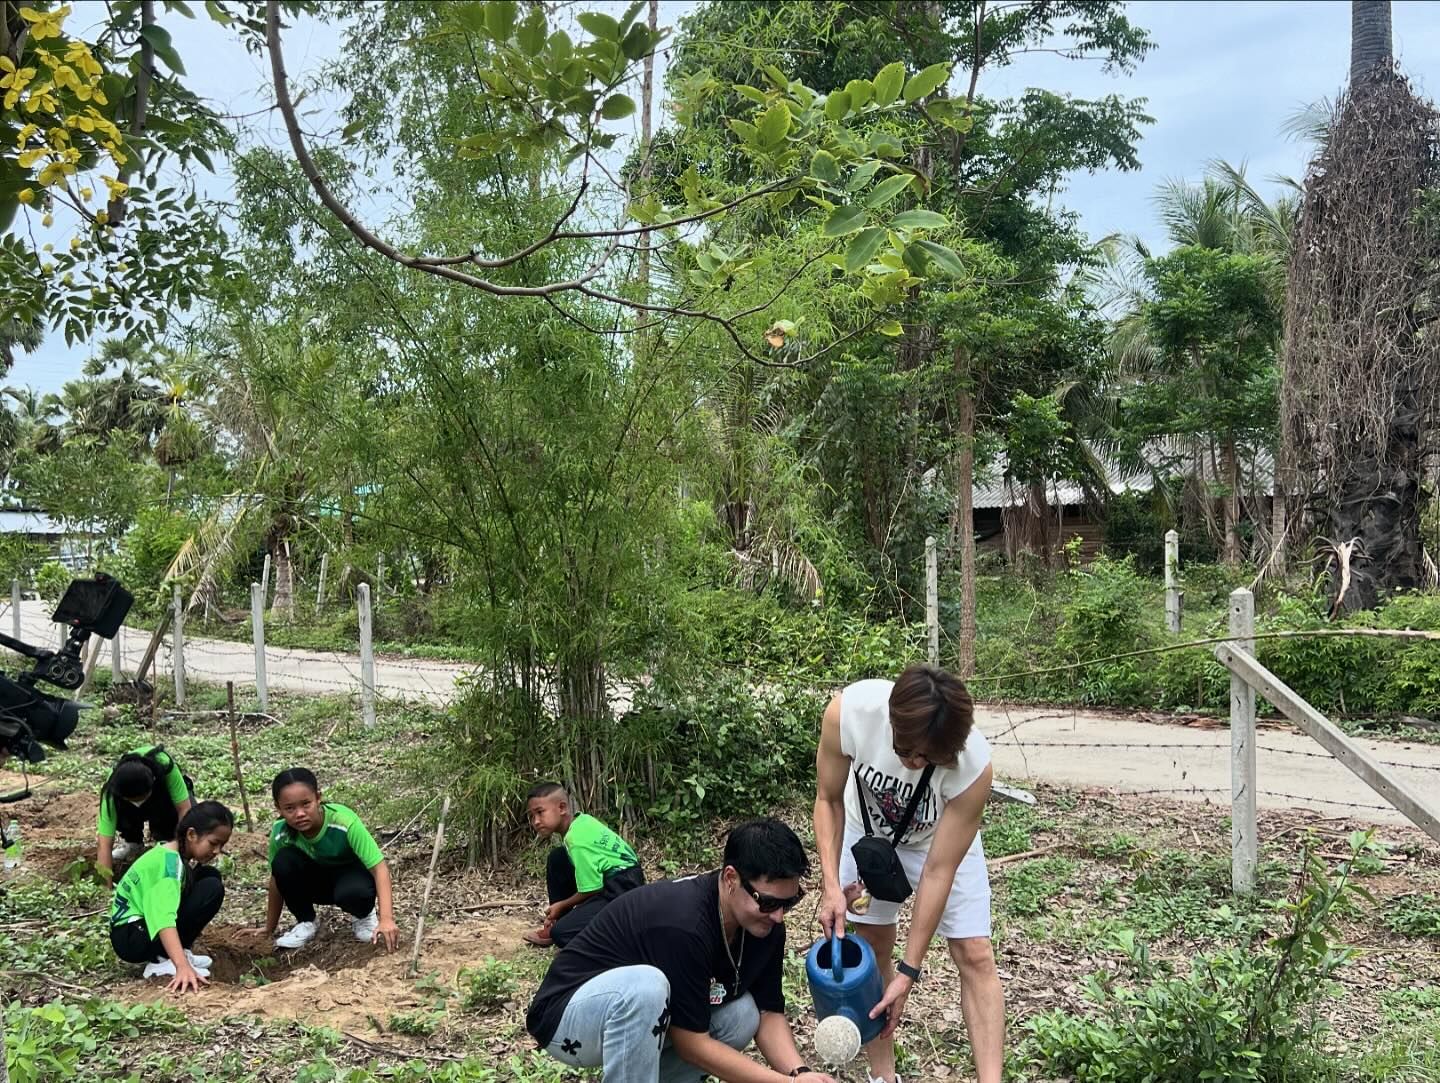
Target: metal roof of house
[
  {"x": 1167, "y": 458},
  {"x": 28, "y": 521}
]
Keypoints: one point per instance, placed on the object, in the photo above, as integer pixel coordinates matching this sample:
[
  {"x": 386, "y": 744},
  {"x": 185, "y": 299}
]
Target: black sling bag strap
[{"x": 875, "y": 859}]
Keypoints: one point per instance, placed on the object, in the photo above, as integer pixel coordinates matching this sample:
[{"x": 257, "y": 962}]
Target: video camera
[{"x": 29, "y": 717}]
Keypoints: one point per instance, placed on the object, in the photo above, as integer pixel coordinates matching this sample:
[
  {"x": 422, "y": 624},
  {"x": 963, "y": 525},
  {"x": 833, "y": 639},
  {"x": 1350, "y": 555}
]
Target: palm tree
[
  {"x": 1223, "y": 213},
  {"x": 1361, "y": 363},
  {"x": 1370, "y": 38}
]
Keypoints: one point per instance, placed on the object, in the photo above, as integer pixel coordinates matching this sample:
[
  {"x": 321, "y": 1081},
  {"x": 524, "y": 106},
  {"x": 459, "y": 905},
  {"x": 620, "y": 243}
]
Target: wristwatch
[
  {"x": 804, "y": 1069},
  {"x": 911, "y": 972}
]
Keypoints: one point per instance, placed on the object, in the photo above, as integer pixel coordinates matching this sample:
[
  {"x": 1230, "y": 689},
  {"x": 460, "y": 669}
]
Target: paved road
[
  {"x": 221, "y": 660},
  {"x": 1040, "y": 744},
  {"x": 1293, "y": 771}
]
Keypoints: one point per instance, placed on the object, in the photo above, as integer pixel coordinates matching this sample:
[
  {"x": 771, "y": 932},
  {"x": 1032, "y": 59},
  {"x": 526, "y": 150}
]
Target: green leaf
[
  {"x": 774, "y": 124},
  {"x": 919, "y": 219},
  {"x": 630, "y": 13},
  {"x": 924, "y": 83},
  {"x": 860, "y": 91},
  {"x": 637, "y": 42},
  {"x": 500, "y": 19},
  {"x": 216, "y": 12},
  {"x": 748, "y": 133},
  {"x": 943, "y": 257},
  {"x": 888, "y": 82},
  {"x": 159, "y": 39},
  {"x": 756, "y": 96},
  {"x": 837, "y": 105},
  {"x": 888, "y": 189},
  {"x": 561, "y": 48},
  {"x": 599, "y": 24},
  {"x": 617, "y": 107},
  {"x": 533, "y": 32},
  {"x": 862, "y": 176},
  {"x": 843, "y": 220},
  {"x": 354, "y": 128},
  {"x": 863, "y": 248},
  {"x": 891, "y": 329},
  {"x": 824, "y": 167}
]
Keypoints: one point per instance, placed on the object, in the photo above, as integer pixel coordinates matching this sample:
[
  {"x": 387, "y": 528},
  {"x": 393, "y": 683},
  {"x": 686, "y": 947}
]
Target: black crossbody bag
[{"x": 875, "y": 859}]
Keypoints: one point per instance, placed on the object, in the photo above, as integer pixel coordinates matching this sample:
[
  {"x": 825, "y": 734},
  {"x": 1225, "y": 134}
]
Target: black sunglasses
[{"x": 768, "y": 904}]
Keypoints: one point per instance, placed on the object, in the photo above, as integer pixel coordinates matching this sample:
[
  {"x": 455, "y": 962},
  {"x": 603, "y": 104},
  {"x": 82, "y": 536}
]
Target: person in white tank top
[{"x": 876, "y": 740}]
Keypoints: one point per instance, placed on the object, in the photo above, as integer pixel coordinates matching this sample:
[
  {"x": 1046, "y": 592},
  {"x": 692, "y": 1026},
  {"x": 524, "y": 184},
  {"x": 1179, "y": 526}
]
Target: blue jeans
[{"x": 619, "y": 1020}]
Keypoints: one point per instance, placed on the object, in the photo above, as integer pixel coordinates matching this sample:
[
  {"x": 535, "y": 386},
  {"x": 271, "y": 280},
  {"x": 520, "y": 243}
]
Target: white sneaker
[
  {"x": 198, "y": 962},
  {"x": 365, "y": 927},
  {"x": 299, "y": 936},
  {"x": 121, "y": 849},
  {"x": 161, "y": 968}
]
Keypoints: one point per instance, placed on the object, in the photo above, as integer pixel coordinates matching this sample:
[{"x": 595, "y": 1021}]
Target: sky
[{"x": 1224, "y": 77}]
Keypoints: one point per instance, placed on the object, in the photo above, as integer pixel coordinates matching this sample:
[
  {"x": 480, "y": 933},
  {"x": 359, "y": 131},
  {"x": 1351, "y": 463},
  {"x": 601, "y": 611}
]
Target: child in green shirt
[
  {"x": 146, "y": 786},
  {"x": 593, "y": 866},
  {"x": 320, "y": 852},
  {"x": 167, "y": 897}
]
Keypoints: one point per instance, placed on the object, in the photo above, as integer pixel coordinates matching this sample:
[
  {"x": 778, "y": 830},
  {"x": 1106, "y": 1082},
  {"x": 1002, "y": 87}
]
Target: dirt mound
[
  {"x": 335, "y": 982},
  {"x": 47, "y": 812}
]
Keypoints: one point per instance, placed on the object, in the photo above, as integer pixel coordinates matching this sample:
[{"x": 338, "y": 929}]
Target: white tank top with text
[{"x": 886, "y": 784}]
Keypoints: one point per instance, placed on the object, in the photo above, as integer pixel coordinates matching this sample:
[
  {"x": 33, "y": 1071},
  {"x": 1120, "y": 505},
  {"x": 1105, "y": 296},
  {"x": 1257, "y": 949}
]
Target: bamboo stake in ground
[
  {"x": 429, "y": 880},
  {"x": 235, "y": 753}
]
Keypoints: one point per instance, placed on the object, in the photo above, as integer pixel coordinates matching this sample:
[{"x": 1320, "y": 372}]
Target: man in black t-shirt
[{"x": 672, "y": 979}]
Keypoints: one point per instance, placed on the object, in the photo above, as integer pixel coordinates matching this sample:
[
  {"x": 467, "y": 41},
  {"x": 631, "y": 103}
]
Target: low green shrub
[
  {"x": 488, "y": 987},
  {"x": 1241, "y": 1014}
]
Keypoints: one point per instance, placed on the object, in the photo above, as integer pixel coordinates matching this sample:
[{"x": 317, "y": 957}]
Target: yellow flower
[
  {"x": 74, "y": 244},
  {"x": 27, "y": 196},
  {"x": 48, "y": 220},
  {"x": 15, "y": 78},
  {"x": 86, "y": 193},
  {"x": 45, "y": 24},
  {"x": 23, "y": 136},
  {"x": 28, "y": 158},
  {"x": 48, "y": 268},
  {"x": 101, "y": 217},
  {"x": 114, "y": 187}
]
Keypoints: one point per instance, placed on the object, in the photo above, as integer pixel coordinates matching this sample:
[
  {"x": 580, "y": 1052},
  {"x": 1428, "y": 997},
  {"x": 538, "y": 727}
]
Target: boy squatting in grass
[
  {"x": 168, "y": 896},
  {"x": 146, "y": 786},
  {"x": 592, "y": 867},
  {"x": 321, "y": 852}
]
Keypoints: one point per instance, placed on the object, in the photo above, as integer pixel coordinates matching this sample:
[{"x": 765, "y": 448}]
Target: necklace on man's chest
[{"x": 735, "y": 960}]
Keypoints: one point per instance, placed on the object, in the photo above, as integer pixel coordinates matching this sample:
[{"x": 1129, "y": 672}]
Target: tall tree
[
  {"x": 1361, "y": 360},
  {"x": 990, "y": 166}
]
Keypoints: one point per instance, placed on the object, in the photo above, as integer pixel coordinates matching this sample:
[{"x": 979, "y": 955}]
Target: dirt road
[{"x": 1103, "y": 750}]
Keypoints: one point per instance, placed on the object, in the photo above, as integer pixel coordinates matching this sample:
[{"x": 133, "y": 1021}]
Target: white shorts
[{"x": 967, "y": 911}]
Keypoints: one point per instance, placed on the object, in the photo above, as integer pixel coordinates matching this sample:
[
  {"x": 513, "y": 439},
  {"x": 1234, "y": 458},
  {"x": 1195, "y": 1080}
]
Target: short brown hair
[{"x": 931, "y": 713}]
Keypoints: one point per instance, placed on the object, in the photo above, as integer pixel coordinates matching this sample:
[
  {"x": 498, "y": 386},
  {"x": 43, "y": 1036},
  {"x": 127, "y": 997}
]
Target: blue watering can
[{"x": 845, "y": 980}]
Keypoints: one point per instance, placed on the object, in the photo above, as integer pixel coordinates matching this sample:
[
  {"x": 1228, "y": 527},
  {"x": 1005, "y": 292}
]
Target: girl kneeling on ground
[
  {"x": 145, "y": 786},
  {"x": 164, "y": 901},
  {"x": 320, "y": 852}
]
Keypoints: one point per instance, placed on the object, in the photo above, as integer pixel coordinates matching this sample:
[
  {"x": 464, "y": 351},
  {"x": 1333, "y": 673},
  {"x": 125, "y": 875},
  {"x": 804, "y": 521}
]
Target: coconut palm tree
[
  {"x": 1223, "y": 213},
  {"x": 1361, "y": 384}
]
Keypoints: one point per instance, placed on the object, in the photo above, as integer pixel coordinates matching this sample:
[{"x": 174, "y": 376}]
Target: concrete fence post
[
  {"x": 367, "y": 656},
  {"x": 1243, "y": 827},
  {"x": 257, "y": 624},
  {"x": 1172, "y": 582}
]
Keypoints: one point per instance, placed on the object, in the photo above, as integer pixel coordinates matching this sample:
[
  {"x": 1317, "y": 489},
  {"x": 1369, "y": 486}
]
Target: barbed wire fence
[{"x": 396, "y": 682}]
